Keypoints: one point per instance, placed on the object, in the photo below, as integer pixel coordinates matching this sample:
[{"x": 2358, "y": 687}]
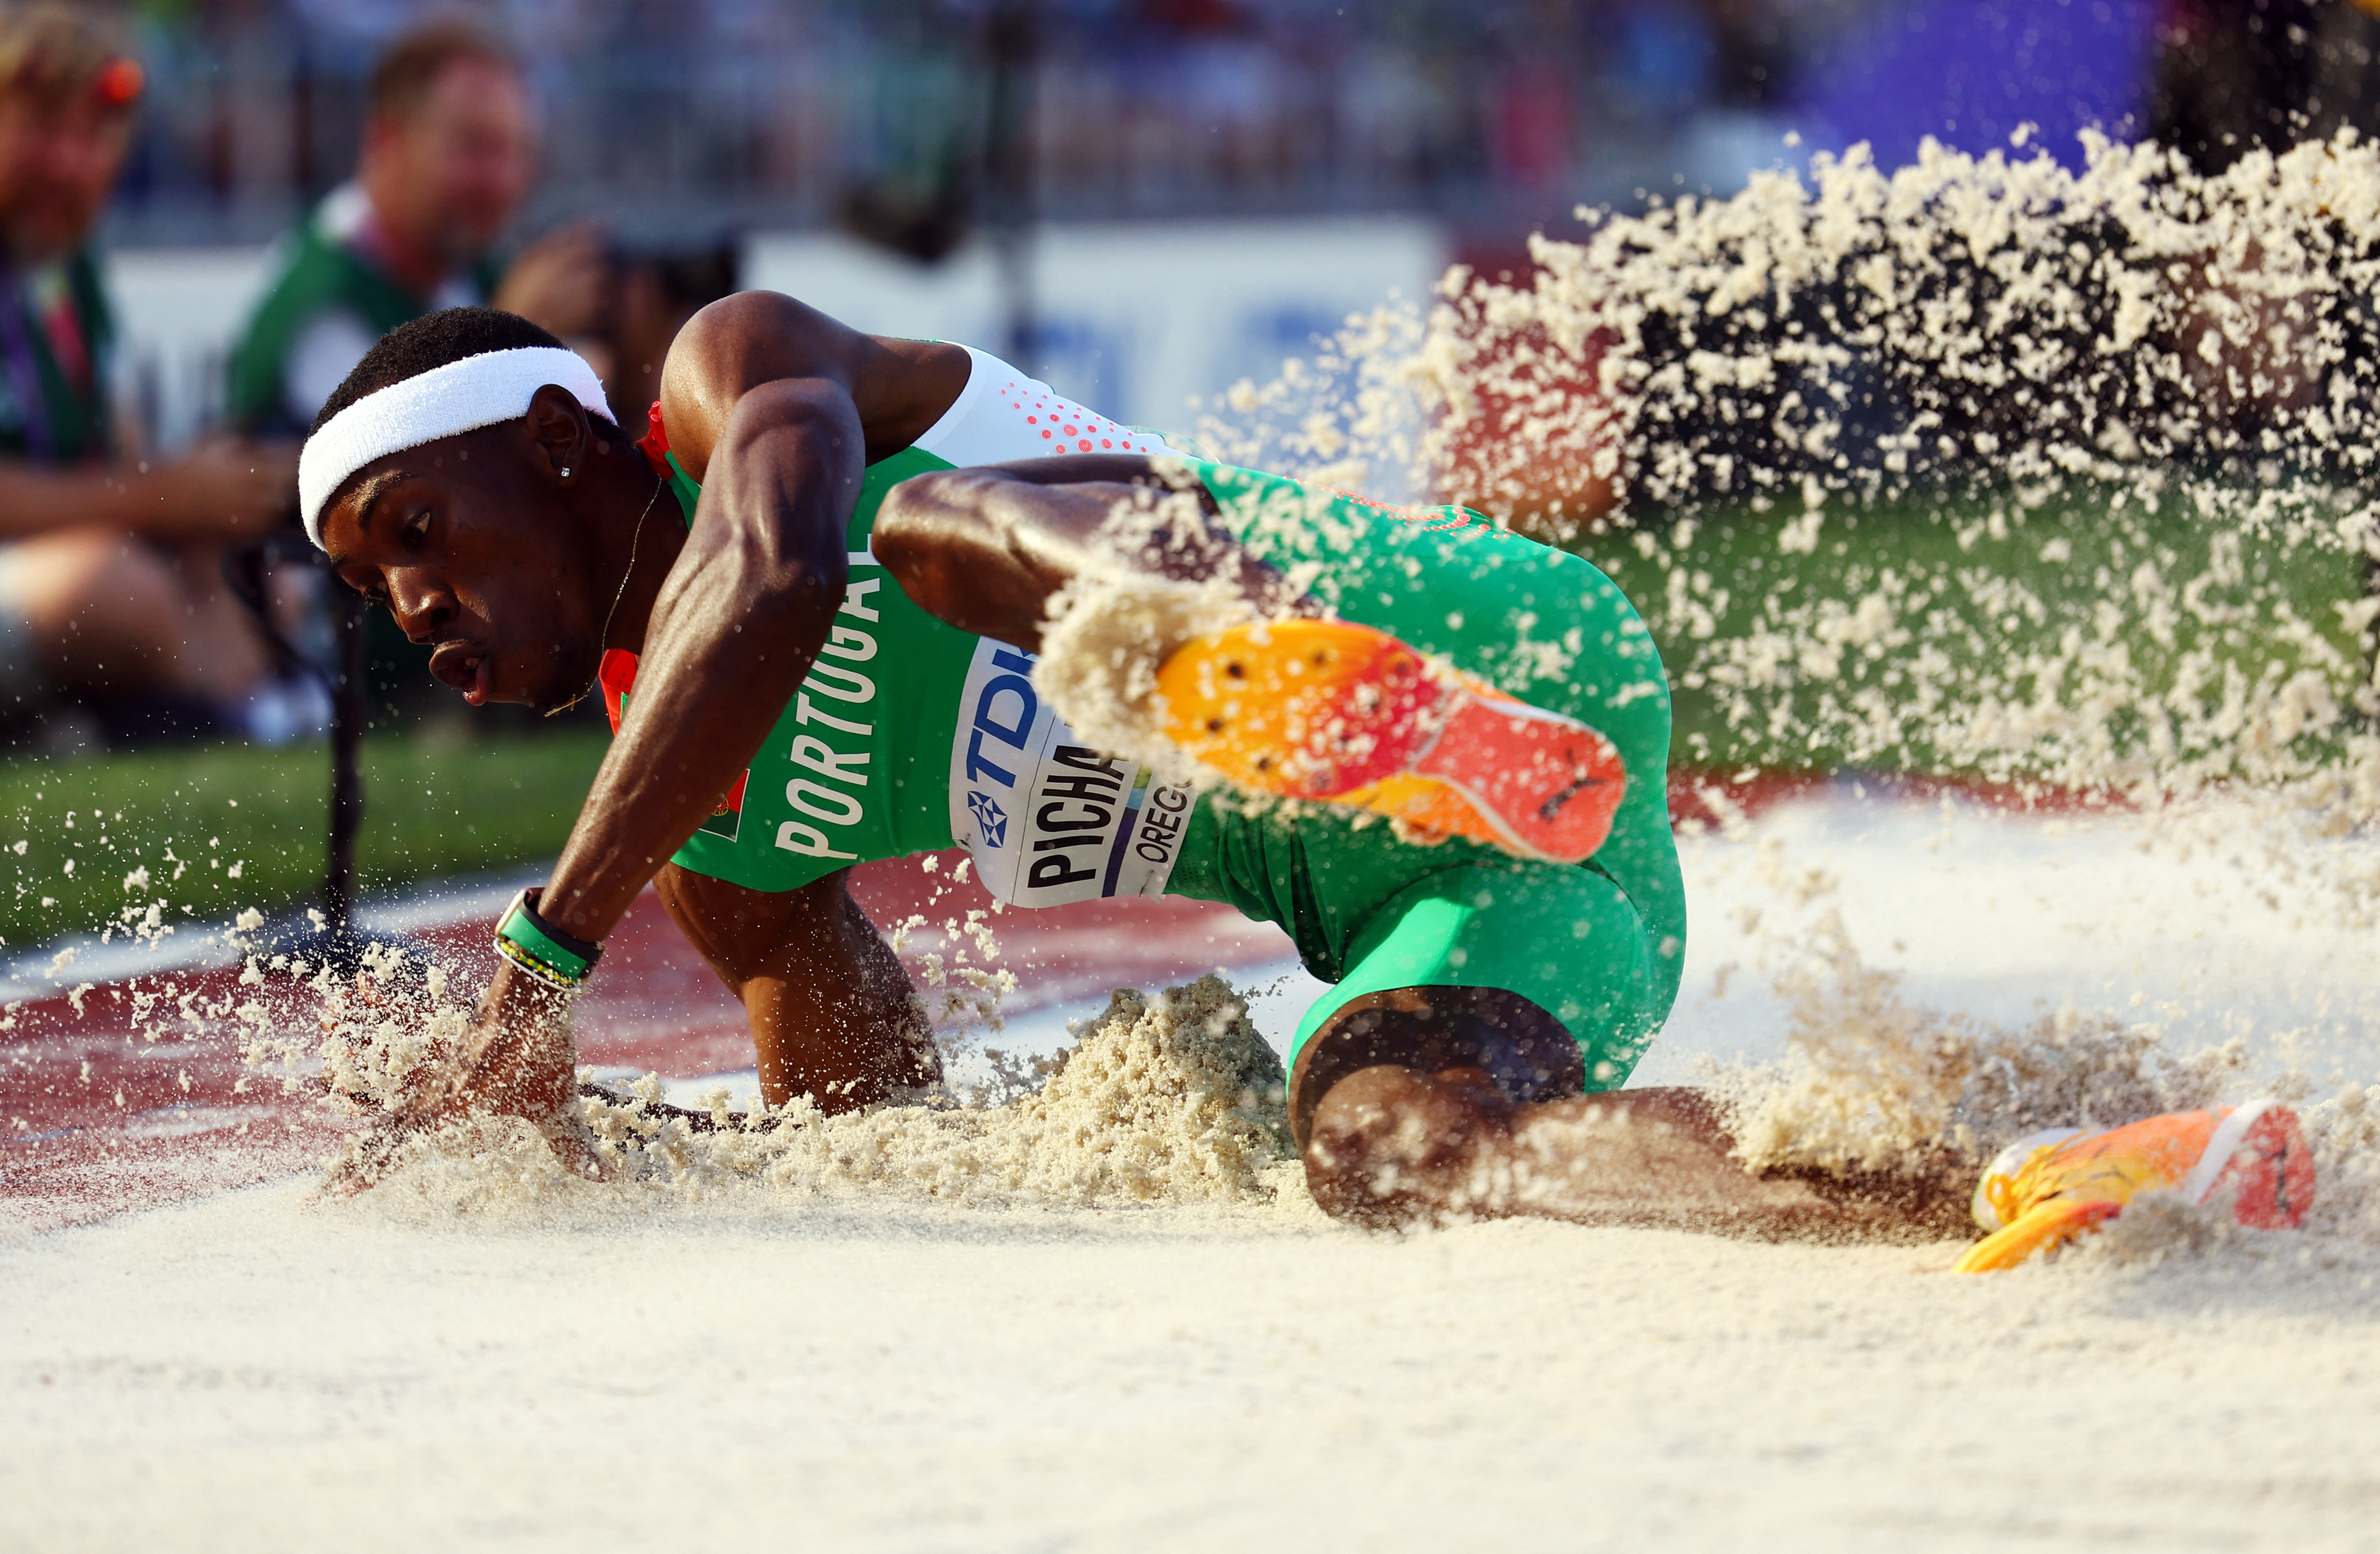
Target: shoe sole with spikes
[{"x": 1340, "y": 713}]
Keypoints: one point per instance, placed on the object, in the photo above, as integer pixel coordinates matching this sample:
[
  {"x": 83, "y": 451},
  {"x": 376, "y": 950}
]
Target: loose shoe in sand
[{"x": 2050, "y": 1188}]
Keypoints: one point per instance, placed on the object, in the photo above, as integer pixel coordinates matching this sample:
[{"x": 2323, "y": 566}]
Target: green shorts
[
  {"x": 1370, "y": 915},
  {"x": 1597, "y": 945}
]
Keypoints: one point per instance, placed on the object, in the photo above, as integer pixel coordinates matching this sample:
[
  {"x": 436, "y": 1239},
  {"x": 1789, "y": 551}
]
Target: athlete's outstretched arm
[
  {"x": 776, "y": 410},
  {"x": 984, "y": 548}
]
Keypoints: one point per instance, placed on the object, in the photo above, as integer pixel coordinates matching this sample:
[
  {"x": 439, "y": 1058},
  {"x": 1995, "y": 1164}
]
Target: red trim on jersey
[
  {"x": 618, "y": 677},
  {"x": 655, "y": 441}
]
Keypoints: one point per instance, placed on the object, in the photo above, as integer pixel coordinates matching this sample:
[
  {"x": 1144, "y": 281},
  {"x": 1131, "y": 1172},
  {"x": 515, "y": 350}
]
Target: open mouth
[{"x": 466, "y": 667}]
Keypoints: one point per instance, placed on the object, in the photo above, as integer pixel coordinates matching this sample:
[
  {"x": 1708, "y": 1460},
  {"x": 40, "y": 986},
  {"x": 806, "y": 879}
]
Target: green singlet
[{"x": 912, "y": 735}]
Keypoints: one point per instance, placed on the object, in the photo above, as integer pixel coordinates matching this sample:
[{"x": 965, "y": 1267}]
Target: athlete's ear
[{"x": 561, "y": 441}]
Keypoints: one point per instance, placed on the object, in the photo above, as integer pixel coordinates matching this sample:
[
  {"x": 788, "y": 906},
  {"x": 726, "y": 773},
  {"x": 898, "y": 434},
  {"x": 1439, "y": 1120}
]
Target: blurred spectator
[
  {"x": 449, "y": 151},
  {"x": 111, "y": 582},
  {"x": 650, "y": 298}
]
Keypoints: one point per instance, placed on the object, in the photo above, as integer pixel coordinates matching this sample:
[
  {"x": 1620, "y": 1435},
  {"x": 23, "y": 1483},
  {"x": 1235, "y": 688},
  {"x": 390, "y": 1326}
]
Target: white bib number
[{"x": 1049, "y": 819}]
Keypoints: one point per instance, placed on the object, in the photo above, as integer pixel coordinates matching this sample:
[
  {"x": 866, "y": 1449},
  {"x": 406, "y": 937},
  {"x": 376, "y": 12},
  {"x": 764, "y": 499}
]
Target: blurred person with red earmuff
[{"x": 111, "y": 590}]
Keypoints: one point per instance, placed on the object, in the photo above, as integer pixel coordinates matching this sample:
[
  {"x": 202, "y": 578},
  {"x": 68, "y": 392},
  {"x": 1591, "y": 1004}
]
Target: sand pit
[
  {"x": 897, "y": 1377},
  {"x": 840, "y": 1353}
]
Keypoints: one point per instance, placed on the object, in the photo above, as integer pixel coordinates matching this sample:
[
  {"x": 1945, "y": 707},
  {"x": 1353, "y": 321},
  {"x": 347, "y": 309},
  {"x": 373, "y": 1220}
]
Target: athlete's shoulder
[
  {"x": 766, "y": 326},
  {"x": 899, "y": 387}
]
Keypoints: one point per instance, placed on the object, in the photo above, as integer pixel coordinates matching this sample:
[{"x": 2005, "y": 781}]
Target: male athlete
[{"x": 817, "y": 588}]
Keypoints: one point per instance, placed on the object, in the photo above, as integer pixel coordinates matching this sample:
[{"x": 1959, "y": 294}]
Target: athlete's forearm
[
  {"x": 985, "y": 549},
  {"x": 732, "y": 634}
]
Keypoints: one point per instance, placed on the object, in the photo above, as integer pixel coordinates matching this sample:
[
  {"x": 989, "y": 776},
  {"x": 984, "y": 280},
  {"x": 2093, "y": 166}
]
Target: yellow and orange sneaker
[
  {"x": 2049, "y": 1188},
  {"x": 1334, "y": 712}
]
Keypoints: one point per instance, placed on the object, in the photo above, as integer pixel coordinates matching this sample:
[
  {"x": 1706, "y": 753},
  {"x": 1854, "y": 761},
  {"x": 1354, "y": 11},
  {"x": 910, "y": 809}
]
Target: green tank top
[{"x": 911, "y": 736}]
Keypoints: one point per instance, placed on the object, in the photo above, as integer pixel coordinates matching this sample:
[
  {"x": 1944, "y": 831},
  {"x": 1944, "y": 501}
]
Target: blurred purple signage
[{"x": 1970, "y": 72}]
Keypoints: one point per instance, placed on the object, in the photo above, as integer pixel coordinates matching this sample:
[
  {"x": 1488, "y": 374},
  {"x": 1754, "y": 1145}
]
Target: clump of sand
[
  {"x": 1178, "y": 1098},
  {"x": 1172, "y": 1098}
]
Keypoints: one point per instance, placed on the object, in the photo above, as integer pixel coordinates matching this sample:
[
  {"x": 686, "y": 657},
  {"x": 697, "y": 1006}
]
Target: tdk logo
[
  {"x": 990, "y": 819},
  {"x": 1012, "y": 685}
]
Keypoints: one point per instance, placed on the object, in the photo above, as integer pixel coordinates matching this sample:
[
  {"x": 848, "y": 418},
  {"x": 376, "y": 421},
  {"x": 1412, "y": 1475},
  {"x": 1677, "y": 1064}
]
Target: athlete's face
[{"x": 471, "y": 544}]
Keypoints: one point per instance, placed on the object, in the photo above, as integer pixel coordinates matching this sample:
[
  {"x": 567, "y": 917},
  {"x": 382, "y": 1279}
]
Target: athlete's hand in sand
[{"x": 518, "y": 1060}]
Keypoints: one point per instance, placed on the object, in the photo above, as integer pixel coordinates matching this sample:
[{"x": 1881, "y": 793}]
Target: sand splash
[
  {"x": 2116, "y": 421},
  {"x": 1172, "y": 1098},
  {"x": 1875, "y": 1081},
  {"x": 2053, "y": 479}
]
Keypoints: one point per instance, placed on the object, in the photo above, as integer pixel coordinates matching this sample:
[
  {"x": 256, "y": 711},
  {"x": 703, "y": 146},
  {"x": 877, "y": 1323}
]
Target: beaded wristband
[{"x": 539, "y": 948}]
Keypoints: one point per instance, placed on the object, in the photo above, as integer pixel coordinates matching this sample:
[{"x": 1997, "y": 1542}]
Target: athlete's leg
[
  {"x": 1468, "y": 1065},
  {"x": 1398, "y": 1144},
  {"x": 986, "y": 548},
  {"x": 832, "y": 1011}
]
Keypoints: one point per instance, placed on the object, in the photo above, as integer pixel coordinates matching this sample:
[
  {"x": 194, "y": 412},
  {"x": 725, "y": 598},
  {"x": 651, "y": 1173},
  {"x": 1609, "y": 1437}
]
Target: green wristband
[{"x": 539, "y": 948}]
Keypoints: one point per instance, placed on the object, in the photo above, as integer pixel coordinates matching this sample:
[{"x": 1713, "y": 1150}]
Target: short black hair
[{"x": 432, "y": 341}]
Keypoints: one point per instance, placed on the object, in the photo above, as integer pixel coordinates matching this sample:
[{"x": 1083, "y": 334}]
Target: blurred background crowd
[{"x": 208, "y": 209}]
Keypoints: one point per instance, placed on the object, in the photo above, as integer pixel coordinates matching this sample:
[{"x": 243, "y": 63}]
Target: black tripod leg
[
  {"x": 335, "y": 941},
  {"x": 350, "y": 703}
]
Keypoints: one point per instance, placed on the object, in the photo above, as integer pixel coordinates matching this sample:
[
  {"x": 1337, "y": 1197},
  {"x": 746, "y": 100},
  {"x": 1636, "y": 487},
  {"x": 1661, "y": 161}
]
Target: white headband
[{"x": 444, "y": 402}]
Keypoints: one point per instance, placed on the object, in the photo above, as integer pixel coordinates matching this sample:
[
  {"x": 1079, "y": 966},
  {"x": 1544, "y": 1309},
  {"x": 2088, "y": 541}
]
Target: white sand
[
  {"x": 862, "y": 1368},
  {"x": 246, "y": 1369}
]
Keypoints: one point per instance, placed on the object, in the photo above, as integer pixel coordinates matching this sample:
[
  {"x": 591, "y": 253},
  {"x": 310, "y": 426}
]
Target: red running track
[{"x": 103, "y": 1111}]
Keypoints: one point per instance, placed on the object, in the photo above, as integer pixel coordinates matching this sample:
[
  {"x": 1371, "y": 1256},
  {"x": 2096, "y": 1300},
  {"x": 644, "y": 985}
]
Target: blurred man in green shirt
[{"x": 449, "y": 153}]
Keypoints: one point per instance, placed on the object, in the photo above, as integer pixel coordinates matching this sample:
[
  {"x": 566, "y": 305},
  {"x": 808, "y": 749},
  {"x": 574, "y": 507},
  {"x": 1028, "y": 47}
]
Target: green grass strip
[
  {"x": 228, "y": 826},
  {"x": 2078, "y": 565}
]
